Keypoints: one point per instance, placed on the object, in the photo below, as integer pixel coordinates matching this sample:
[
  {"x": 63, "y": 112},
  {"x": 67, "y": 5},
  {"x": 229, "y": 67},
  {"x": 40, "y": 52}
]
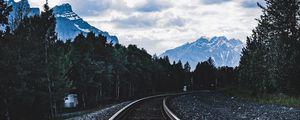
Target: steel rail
[
  {"x": 122, "y": 112},
  {"x": 168, "y": 112}
]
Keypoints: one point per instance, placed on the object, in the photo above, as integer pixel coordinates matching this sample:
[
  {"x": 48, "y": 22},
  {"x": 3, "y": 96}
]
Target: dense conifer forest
[
  {"x": 37, "y": 70},
  {"x": 270, "y": 62}
]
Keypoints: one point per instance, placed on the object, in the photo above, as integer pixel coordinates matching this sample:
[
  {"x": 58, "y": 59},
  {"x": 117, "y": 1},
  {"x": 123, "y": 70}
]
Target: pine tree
[
  {"x": 59, "y": 66},
  {"x": 119, "y": 67},
  {"x": 7, "y": 85},
  {"x": 291, "y": 46},
  {"x": 49, "y": 40},
  {"x": 36, "y": 68},
  {"x": 4, "y": 12},
  {"x": 89, "y": 71},
  {"x": 205, "y": 75},
  {"x": 268, "y": 61},
  {"x": 187, "y": 77},
  {"x": 282, "y": 21}
]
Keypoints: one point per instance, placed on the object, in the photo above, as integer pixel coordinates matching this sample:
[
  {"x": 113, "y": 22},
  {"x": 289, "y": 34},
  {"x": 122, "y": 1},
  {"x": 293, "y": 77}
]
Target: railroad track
[{"x": 148, "y": 108}]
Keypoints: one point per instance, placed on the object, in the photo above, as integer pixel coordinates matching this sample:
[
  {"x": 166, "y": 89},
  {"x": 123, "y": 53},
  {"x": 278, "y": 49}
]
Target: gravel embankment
[
  {"x": 216, "y": 106},
  {"x": 103, "y": 114}
]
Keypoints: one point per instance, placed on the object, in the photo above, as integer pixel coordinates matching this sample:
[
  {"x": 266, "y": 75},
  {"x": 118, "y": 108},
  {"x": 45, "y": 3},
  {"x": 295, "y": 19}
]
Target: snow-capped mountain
[
  {"x": 20, "y": 10},
  {"x": 223, "y": 51},
  {"x": 68, "y": 23}
]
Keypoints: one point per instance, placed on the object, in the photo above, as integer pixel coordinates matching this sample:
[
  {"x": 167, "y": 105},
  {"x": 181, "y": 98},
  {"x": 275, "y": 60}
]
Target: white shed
[{"x": 71, "y": 101}]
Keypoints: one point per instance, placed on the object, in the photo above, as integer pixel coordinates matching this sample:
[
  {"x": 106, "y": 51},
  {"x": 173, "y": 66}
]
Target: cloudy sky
[{"x": 158, "y": 25}]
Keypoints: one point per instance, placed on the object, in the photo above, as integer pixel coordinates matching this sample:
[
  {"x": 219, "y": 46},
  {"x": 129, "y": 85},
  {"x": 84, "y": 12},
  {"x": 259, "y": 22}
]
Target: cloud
[
  {"x": 88, "y": 8},
  {"x": 153, "y": 6},
  {"x": 179, "y": 22},
  {"x": 159, "y": 25},
  {"x": 184, "y": 21},
  {"x": 213, "y": 1},
  {"x": 149, "y": 44},
  {"x": 252, "y": 3},
  {"x": 249, "y": 4},
  {"x": 96, "y": 7},
  {"x": 135, "y": 22}
]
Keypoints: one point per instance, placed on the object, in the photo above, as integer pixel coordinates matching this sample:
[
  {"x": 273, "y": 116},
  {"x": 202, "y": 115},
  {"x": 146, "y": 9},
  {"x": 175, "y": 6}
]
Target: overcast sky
[{"x": 158, "y": 25}]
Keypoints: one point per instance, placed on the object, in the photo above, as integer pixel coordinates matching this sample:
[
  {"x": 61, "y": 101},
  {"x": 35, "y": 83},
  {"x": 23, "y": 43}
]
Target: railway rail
[{"x": 148, "y": 108}]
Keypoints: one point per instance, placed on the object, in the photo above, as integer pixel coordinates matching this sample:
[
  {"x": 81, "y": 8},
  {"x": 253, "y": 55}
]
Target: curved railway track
[{"x": 149, "y": 108}]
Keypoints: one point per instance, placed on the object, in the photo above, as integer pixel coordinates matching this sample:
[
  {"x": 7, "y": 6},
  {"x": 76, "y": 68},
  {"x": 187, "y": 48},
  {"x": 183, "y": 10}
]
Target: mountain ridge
[
  {"x": 68, "y": 23},
  {"x": 224, "y": 51}
]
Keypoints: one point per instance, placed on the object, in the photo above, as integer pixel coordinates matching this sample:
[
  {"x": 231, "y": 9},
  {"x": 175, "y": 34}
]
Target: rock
[{"x": 203, "y": 106}]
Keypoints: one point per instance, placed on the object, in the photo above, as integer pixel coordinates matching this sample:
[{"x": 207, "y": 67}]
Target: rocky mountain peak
[
  {"x": 224, "y": 51},
  {"x": 68, "y": 23},
  {"x": 61, "y": 9},
  {"x": 202, "y": 40}
]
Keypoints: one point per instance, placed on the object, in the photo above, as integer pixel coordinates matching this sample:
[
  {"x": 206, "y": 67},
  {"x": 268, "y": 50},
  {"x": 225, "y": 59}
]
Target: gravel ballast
[
  {"x": 216, "y": 106},
  {"x": 103, "y": 114}
]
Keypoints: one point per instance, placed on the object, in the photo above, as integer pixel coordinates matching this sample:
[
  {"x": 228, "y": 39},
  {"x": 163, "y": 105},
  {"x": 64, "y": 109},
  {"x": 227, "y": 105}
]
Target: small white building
[
  {"x": 184, "y": 88},
  {"x": 71, "y": 101}
]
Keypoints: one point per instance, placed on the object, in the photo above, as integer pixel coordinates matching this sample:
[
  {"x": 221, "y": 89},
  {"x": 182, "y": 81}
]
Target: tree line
[{"x": 270, "y": 62}]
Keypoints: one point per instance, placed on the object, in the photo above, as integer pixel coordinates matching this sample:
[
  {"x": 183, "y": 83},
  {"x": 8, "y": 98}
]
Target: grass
[{"x": 277, "y": 99}]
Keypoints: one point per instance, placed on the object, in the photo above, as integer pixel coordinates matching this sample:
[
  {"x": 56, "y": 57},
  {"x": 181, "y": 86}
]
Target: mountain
[
  {"x": 224, "y": 52},
  {"x": 68, "y": 23},
  {"x": 20, "y": 10}
]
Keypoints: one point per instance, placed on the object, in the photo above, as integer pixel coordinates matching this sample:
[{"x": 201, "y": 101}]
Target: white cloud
[{"x": 168, "y": 24}]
